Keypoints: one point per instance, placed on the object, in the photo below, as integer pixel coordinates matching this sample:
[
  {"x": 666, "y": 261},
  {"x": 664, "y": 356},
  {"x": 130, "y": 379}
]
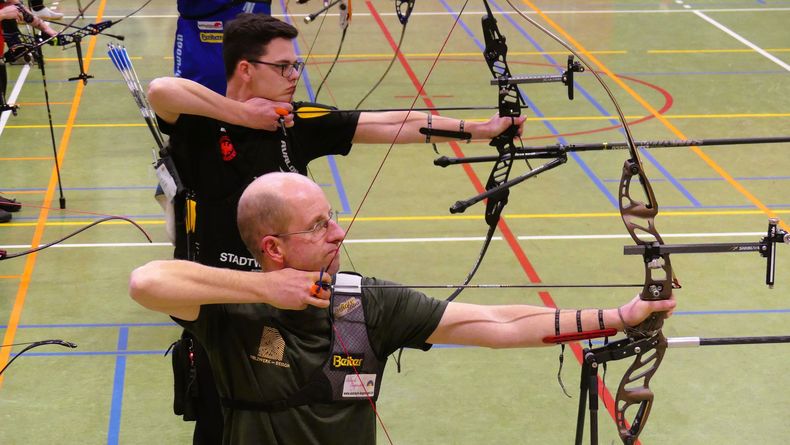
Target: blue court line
[
  {"x": 712, "y": 207},
  {"x": 92, "y": 325},
  {"x": 341, "y": 190},
  {"x": 668, "y": 177},
  {"x": 114, "y": 429},
  {"x": 123, "y": 352},
  {"x": 741, "y": 178},
  {"x": 126, "y": 326}
]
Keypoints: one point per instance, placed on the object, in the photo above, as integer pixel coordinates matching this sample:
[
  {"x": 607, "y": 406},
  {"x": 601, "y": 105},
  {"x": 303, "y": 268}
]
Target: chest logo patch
[
  {"x": 346, "y": 307},
  {"x": 352, "y": 361},
  {"x": 271, "y": 349},
  {"x": 214, "y": 25},
  {"x": 226, "y": 146}
]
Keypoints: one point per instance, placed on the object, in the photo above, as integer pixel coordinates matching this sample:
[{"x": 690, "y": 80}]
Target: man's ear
[
  {"x": 243, "y": 70},
  {"x": 272, "y": 248}
]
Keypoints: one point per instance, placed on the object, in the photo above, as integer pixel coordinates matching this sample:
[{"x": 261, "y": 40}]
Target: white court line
[
  {"x": 437, "y": 240},
  {"x": 418, "y": 13},
  {"x": 14, "y": 94},
  {"x": 739, "y": 38}
]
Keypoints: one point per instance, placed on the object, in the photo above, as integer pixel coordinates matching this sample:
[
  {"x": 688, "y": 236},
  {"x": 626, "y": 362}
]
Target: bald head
[{"x": 267, "y": 205}]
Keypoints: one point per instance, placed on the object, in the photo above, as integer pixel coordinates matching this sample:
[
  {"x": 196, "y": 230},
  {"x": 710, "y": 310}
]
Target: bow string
[
  {"x": 372, "y": 183},
  {"x": 403, "y": 9},
  {"x": 344, "y": 8}
]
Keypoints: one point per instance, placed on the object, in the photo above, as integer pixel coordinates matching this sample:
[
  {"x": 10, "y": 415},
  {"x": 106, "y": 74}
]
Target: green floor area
[{"x": 679, "y": 70}]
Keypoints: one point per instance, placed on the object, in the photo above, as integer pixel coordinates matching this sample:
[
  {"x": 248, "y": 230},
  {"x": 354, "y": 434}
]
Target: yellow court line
[
  {"x": 715, "y": 51},
  {"x": 80, "y": 223},
  {"x": 30, "y": 261},
  {"x": 711, "y": 163},
  {"x": 535, "y": 118},
  {"x": 24, "y": 192},
  {"x": 75, "y": 126},
  {"x": 448, "y": 55},
  {"x": 671, "y": 213},
  {"x": 74, "y": 59},
  {"x": 387, "y": 56},
  {"x": 527, "y": 53},
  {"x": 36, "y": 104},
  {"x": 29, "y": 158},
  {"x": 10, "y": 277}
]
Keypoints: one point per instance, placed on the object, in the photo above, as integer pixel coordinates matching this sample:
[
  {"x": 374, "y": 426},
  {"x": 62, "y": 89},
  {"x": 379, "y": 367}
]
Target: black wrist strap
[
  {"x": 557, "y": 322},
  {"x": 600, "y": 319}
]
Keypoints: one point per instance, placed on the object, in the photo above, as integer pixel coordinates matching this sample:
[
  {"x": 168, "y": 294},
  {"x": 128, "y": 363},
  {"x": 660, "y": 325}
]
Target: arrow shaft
[{"x": 482, "y": 286}]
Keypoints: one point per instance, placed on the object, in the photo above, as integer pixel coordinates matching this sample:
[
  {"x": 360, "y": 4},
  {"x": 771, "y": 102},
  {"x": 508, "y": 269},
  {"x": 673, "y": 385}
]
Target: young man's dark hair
[{"x": 247, "y": 35}]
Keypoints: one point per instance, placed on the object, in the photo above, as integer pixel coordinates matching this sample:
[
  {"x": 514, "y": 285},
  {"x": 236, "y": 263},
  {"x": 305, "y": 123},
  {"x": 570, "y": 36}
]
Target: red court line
[{"x": 507, "y": 235}]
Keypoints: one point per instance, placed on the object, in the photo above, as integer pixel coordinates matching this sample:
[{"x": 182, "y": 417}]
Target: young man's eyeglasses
[
  {"x": 319, "y": 228},
  {"x": 286, "y": 69}
]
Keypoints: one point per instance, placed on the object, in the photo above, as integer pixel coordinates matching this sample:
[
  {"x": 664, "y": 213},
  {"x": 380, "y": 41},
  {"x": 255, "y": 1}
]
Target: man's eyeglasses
[
  {"x": 319, "y": 228},
  {"x": 286, "y": 69}
]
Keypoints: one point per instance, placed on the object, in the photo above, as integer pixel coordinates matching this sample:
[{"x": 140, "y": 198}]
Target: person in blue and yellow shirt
[{"x": 197, "y": 50}]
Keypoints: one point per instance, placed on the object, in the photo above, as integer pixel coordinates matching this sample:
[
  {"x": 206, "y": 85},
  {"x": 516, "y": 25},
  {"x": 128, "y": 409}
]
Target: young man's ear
[{"x": 244, "y": 69}]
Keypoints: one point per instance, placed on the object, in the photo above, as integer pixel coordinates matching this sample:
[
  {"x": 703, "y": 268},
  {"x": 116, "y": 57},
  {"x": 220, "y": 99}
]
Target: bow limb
[
  {"x": 639, "y": 219},
  {"x": 403, "y": 8},
  {"x": 344, "y": 8},
  {"x": 35, "y": 345},
  {"x": 4, "y": 255}
]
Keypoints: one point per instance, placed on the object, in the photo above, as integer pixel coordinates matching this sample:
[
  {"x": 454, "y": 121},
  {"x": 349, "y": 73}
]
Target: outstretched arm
[
  {"x": 517, "y": 326},
  {"x": 179, "y": 288},
  {"x": 171, "y": 97},
  {"x": 381, "y": 128}
]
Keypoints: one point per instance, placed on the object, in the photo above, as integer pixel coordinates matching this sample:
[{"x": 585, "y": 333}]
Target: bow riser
[
  {"x": 634, "y": 389},
  {"x": 509, "y": 104}
]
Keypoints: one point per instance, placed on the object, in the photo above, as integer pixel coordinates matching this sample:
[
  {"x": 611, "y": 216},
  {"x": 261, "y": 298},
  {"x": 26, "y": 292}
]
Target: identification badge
[{"x": 359, "y": 385}]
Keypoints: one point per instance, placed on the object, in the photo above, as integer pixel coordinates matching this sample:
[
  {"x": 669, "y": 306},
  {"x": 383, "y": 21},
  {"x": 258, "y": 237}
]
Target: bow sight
[{"x": 766, "y": 247}]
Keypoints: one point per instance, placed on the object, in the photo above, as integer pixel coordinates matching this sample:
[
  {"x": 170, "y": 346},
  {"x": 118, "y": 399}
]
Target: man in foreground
[
  {"x": 219, "y": 144},
  {"x": 290, "y": 371}
]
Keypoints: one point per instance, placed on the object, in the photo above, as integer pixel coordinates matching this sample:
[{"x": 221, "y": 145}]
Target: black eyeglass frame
[{"x": 296, "y": 66}]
